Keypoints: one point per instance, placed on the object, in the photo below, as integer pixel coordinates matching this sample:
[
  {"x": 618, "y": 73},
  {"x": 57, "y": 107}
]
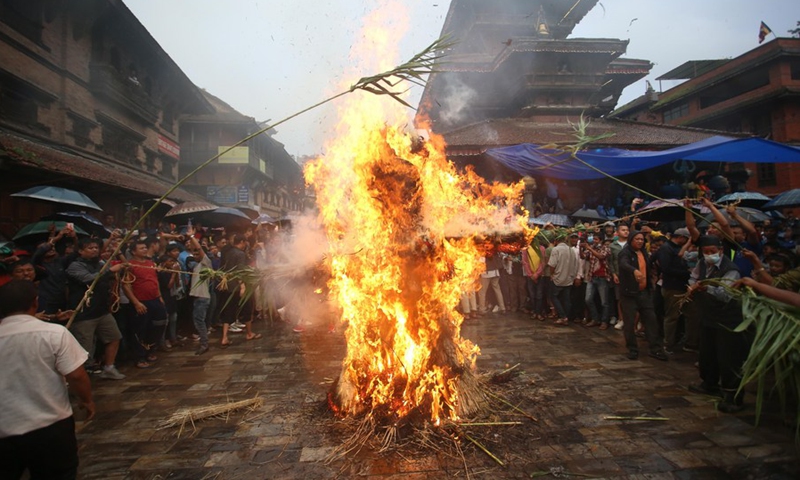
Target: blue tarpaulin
[{"x": 528, "y": 159}]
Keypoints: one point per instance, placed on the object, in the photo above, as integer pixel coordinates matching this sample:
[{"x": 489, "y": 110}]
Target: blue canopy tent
[{"x": 528, "y": 159}]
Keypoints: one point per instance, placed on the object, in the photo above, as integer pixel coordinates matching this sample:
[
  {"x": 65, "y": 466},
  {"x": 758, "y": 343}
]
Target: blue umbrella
[
  {"x": 784, "y": 200},
  {"x": 745, "y": 199},
  {"x": 58, "y": 195},
  {"x": 553, "y": 218}
]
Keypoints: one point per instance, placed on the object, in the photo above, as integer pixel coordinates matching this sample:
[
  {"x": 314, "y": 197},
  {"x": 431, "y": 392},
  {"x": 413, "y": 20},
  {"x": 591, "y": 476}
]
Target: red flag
[{"x": 763, "y": 32}]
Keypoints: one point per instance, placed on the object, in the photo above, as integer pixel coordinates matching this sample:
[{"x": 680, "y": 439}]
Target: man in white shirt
[
  {"x": 37, "y": 429},
  {"x": 199, "y": 292},
  {"x": 563, "y": 266}
]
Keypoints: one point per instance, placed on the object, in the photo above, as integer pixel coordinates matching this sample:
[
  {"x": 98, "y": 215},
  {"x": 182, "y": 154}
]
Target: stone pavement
[{"x": 571, "y": 378}]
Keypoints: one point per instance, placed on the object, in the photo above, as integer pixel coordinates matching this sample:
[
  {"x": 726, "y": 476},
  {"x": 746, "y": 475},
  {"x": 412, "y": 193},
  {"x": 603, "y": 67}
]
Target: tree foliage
[{"x": 795, "y": 31}]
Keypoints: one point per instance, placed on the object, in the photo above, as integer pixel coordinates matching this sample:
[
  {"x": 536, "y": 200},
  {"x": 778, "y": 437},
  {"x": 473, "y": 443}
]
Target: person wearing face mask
[{"x": 722, "y": 350}]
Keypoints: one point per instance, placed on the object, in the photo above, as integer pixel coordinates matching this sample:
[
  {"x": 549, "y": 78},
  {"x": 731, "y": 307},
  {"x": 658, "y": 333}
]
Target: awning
[
  {"x": 528, "y": 159},
  {"x": 51, "y": 158}
]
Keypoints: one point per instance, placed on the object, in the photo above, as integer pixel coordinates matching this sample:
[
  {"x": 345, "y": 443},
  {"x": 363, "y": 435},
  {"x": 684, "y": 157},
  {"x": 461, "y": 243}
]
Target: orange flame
[{"x": 401, "y": 222}]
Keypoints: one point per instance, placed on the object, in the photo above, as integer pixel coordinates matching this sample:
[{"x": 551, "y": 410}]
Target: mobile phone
[{"x": 70, "y": 226}]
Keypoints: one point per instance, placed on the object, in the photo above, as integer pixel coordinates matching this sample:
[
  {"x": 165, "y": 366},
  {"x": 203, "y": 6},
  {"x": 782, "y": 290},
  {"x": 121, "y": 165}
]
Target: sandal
[
  {"x": 225, "y": 345},
  {"x": 562, "y": 322},
  {"x": 142, "y": 364},
  {"x": 603, "y": 326},
  {"x": 152, "y": 358},
  {"x": 255, "y": 336}
]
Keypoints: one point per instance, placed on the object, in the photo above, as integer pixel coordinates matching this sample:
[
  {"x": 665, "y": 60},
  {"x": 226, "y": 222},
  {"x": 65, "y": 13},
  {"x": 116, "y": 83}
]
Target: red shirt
[{"x": 145, "y": 287}]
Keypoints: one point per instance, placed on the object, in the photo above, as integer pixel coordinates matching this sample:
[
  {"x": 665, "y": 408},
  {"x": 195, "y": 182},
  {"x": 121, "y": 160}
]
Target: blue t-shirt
[{"x": 742, "y": 263}]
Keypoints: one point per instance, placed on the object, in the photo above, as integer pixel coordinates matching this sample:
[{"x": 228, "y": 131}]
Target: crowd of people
[
  {"x": 131, "y": 310},
  {"x": 667, "y": 287},
  {"x": 135, "y": 303},
  {"x": 630, "y": 277}
]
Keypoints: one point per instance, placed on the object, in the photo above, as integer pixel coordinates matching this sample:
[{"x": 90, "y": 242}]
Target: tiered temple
[{"x": 513, "y": 59}]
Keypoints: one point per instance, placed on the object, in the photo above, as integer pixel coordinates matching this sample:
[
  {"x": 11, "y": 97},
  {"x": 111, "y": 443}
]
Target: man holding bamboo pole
[
  {"x": 723, "y": 351},
  {"x": 143, "y": 292}
]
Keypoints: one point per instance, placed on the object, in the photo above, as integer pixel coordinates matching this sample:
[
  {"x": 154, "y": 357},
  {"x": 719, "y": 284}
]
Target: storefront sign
[
  {"x": 237, "y": 155},
  {"x": 226, "y": 194},
  {"x": 244, "y": 194},
  {"x": 165, "y": 145}
]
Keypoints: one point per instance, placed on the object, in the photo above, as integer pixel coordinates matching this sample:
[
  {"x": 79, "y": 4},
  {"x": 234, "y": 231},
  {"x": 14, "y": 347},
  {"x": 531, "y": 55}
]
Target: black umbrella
[
  {"x": 83, "y": 220},
  {"x": 264, "y": 218},
  {"x": 224, "y": 217},
  {"x": 58, "y": 195},
  {"x": 784, "y": 200},
  {"x": 750, "y": 214},
  {"x": 745, "y": 199},
  {"x": 589, "y": 214},
  {"x": 668, "y": 210}
]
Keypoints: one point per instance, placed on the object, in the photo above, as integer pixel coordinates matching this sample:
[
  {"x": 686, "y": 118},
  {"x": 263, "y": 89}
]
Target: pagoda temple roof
[
  {"x": 482, "y": 62},
  {"x": 559, "y": 15},
  {"x": 476, "y": 138}
]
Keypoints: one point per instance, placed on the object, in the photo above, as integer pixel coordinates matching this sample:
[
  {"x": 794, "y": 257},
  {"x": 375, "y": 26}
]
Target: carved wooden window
[
  {"x": 24, "y": 16},
  {"x": 81, "y": 129},
  {"x": 120, "y": 144},
  {"x": 18, "y": 108}
]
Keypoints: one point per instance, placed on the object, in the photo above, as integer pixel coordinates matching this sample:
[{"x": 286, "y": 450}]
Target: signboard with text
[
  {"x": 222, "y": 194},
  {"x": 244, "y": 194},
  {"x": 237, "y": 155},
  {"x": 165, "y": 145}
]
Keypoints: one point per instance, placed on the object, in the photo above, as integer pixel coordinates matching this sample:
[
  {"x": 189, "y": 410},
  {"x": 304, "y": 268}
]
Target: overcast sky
[{"x": 269, "y": 58}]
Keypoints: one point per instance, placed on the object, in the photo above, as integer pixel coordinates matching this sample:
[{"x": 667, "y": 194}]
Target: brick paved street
[{"x": 571, "y": 376}]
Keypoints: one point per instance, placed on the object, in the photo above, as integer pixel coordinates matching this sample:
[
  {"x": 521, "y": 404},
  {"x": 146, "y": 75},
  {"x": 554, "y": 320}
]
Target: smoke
[
  {"x": 299, "y": 297},
  {"x": 305, "y": 244},
  {"x": 490, "y": 133},
  {"x": 456, "y": 102}
]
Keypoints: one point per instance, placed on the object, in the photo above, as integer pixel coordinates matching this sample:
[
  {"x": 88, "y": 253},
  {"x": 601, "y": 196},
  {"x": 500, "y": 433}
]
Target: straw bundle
[{"x": 190, "y": 415}]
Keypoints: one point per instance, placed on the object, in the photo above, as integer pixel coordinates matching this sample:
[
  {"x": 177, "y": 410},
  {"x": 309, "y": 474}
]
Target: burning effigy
[{"x": 401, "y": 224}]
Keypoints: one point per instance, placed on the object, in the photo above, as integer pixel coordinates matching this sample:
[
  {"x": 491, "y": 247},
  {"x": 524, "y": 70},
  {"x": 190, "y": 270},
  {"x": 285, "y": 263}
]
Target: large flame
[{"x": 401, "y": 221}]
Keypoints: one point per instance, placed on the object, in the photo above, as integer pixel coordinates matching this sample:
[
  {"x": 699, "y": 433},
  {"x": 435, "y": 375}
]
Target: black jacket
[
  {"x": 715, "y": 312},
  {"x": 674, "y": 271},
  {"x": 628, "y": 262},
  {"x": 80, "y": 274}
]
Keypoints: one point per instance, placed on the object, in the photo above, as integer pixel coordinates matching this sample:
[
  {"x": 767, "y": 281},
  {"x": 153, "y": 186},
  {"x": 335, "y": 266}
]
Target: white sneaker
[
  {"x": 234, "y": 329},
  {"x": 612, "y": 321},
  {"x": 619, "y": 325},
  {"x": 112, "y": 373},
  {"x": 237, "y": 324}
]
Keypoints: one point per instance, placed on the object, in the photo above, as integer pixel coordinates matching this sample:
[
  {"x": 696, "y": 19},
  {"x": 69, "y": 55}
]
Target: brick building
[
  {"x": 259, "y": 176},
  {"x": 757, "y": 92},
  {"x": 89, "y": 101}
]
